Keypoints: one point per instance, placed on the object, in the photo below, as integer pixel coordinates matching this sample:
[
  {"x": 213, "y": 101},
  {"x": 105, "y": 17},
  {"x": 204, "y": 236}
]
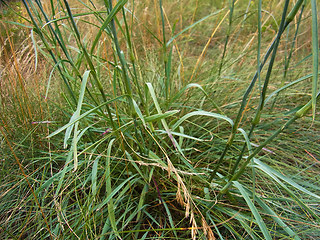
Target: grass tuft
[{"x": 159, "y": 120}]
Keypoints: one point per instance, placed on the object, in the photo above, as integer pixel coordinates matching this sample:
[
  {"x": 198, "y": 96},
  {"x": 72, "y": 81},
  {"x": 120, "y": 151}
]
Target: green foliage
[{"x": 157, "y": 143}]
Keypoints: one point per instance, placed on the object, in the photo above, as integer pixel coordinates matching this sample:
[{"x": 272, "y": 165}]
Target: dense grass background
[{"x": 152, "y": 120}]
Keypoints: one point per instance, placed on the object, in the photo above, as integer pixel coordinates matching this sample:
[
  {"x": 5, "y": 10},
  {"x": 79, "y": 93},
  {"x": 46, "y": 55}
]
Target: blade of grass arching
[
  {"x": 50, "y": 77},
  {"x": 275, "y": 93},
  {"x": 138, "y": 111},
  {"x": 192, "y": 25},
  {"x": 315, "y": 54},
  {"x": 182, "y": 136},
  {"x": 84, "y": 115},
  {"x": 201, "y": 113},
  {"x": 288, "y": 180},
  {"x": 83, "y": 14},
  {"x": 111, "y": 214},
  {"x": 246, "y": 138},
  {"x": 77, "y": 112},
  {"x": 191, "y": 85},
  {"x": 292, "y": 194},
  {"x": 19, "y": 24},
  {"x": 254, "y": 211},
  {"x": 163, "y": 121},
  {"x": 159, "y": 116}
]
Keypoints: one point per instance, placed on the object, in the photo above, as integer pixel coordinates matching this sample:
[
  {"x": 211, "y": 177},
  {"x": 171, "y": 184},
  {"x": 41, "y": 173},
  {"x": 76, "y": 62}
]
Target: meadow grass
[{"x": 160, "y": 120}]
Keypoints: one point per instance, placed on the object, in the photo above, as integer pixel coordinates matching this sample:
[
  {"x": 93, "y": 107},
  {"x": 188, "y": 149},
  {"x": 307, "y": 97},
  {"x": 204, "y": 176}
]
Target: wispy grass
[{"x": 141, "y": 152}]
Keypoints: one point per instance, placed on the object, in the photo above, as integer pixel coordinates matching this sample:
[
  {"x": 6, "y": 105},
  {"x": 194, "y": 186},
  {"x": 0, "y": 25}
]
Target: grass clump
[{"x": 146, "y": 139}]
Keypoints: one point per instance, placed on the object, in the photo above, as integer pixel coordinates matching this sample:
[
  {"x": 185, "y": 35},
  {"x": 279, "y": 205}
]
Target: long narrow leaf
[
  {"x": 315, "y": 54},
  {"x": 264, "y": 167},
  {"x": 254, "y": 211},
  {"x": 201, "y": 113}
]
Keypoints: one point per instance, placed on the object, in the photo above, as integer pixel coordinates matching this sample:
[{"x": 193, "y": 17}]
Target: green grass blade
[
  {"x": 64, "y": 171},
  {"x": 254, "y": 211},
  {"x": 135, "y": 166},
  {"x": 288, "y": 86},
  {"x": 192, "y": 25},
  {"x": 163, "y": 121},
  {"x": 239, "y": 173},
  {"x": 201, "y": 113},
  {"x": 292, "y": 195},
  {"x": 111, "y": 213},
  {"x": 142, "y": 201},
  {"x": 107, "y": 21},
  {"x": 159, "y": 116},
  {"x": 84, "y": 115},
  {"x": 74, "y": 116},
  {"x": 277, "y": 219},
  {"x": 246, "y": 138},
  {"x": 182, "y": 135},
  {"x": 231, "y": 9},
  {"x": 94, "y": 173},
  {"x": 113, "y": 193},
  {"x": 171, "y": 223},
  {"x": 195, "y": 85},
  {"x": 315, "y": 54},
  {"x": 138, "y": 111},
  {"x": 288, "y": 180}
]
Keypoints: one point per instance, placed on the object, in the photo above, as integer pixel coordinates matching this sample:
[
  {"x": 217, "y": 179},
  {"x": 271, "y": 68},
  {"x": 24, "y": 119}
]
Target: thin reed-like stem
[{"x": 275, "y": 42}]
